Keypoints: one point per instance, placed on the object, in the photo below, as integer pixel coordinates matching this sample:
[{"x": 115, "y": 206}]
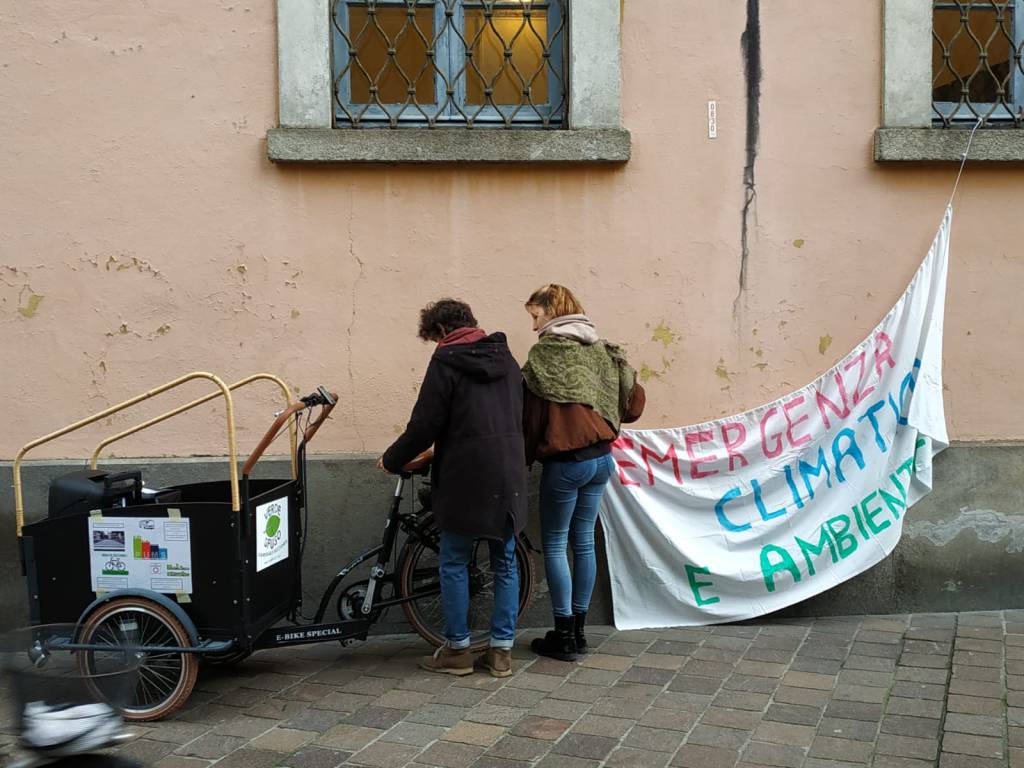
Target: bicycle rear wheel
[{"x": 418, "y": 575}]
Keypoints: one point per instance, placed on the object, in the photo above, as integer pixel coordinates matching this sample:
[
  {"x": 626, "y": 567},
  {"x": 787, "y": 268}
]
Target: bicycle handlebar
[{"x": 321, "y": 397}]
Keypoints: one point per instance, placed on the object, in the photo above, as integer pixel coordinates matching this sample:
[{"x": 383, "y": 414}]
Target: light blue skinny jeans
[{"x": 570, "y": 496}]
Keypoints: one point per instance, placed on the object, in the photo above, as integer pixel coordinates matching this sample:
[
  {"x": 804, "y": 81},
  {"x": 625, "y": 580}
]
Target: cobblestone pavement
[{"x": 884, "y": 691}]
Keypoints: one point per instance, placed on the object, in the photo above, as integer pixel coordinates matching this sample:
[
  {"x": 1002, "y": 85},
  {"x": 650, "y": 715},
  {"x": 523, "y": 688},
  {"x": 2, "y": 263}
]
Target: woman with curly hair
[{"x": 470, "y": 409}]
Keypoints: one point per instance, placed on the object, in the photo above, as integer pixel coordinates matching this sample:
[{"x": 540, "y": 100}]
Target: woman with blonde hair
[{"x": 579, "y": 389}]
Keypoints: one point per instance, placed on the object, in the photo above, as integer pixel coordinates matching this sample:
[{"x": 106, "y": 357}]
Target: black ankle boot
[
  {"x": 578, "y": 620},
  {"x": 559, "y": 643}
]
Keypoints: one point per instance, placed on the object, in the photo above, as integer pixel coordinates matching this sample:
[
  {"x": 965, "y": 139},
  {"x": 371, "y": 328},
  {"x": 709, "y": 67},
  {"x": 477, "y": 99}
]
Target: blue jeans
[
  {"x": 454, "y": 556},
  {"x": 570, "y": 495}
]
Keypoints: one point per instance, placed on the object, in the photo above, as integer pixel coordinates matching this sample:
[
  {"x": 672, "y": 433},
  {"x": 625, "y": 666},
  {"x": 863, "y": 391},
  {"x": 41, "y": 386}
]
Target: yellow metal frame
[
  {"x": 223, "y": 390},
  {"x": 293, "y": 434}
]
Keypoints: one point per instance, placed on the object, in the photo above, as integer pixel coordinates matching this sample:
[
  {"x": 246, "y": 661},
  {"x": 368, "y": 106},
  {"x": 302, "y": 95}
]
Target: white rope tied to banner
[{"x": 963, "y": 162}]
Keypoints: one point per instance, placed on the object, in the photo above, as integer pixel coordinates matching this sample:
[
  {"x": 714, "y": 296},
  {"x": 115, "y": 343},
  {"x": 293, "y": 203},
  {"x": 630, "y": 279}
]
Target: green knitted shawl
[{"x": 563, "y": 370}]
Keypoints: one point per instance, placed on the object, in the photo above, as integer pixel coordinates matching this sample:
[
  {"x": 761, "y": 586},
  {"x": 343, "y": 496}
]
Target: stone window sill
[
  {"x": 939, "y": 145},
  {"x": 447, "y": 145}
]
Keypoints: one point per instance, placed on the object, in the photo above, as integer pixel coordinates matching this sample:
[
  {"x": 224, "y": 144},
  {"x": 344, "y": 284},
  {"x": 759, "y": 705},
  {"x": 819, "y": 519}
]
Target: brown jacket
[{"x": 550, "y": 429}]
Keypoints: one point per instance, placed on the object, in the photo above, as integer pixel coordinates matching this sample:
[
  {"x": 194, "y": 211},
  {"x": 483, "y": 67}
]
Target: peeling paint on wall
[
  {"x": 987, "y": 525},
  {"x": 31, "y": 306},
  {"x": 122, "y": 330},
  {"x": 824, "y": 342},
  {"x": 721, "y": 371},
  {"x": 122, "y": 262},
  {"x": 15, "y": 273},
  {"x": 664, "y": 334},
  {"x": 646, "y": 373}
]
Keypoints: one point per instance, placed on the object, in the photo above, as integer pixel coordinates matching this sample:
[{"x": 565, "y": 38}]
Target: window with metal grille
[
  {"x": 978, "y": 62},
  {"x": 437, "y": 63}
]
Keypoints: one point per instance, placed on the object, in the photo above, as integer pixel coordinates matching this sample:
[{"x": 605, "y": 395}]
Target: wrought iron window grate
[
  {"x": 978, "y": 62},
  {"x": 458, "y": 63}
]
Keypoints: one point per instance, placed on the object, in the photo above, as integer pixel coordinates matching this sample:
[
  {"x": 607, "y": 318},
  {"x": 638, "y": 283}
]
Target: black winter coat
[{"x": 470, "y": 408}]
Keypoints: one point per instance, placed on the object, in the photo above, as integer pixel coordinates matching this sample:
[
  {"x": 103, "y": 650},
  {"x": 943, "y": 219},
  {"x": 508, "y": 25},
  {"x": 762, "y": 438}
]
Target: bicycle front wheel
[
  {"x": 419, "y": 578},
  {"x": 165, "y": 678}
]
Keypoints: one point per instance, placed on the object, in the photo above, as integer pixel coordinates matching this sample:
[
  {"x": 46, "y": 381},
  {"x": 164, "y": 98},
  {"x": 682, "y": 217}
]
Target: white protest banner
[{"x": 745, "y": 515}]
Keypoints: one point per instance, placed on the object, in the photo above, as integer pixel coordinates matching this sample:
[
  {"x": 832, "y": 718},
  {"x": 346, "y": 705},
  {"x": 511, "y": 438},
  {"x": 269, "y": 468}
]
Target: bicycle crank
[{"x": 350, "y": 603}]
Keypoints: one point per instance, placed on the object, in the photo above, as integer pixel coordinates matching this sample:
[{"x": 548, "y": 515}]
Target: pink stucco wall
[{"x": 138, "y": 203}]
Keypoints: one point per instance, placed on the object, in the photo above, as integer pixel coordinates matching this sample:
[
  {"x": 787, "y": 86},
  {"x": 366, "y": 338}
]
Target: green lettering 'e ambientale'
[
  {"x": 691, "y": 576},
  {"x": 837, "y": 534}
]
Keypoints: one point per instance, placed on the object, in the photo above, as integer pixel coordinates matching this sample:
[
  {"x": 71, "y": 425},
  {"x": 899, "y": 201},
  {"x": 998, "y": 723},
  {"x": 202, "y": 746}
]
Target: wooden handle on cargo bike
[
  {"x": 420, "y": 463},
  {"x": 312, "y": 428},
  {"x": 279, "y": 422}
]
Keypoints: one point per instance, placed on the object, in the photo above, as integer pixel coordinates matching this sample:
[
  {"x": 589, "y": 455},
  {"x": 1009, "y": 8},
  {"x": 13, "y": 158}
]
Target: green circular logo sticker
[{"x": 273, "y": 523}]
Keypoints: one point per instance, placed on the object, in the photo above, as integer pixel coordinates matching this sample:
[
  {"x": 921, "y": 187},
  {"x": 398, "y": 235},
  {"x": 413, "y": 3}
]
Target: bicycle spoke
[
  {"x": 156, "y": 674},
  {"x": 163, "y": 664},
  {"x": 107, "y": 662},
  {"x": 105, "y": 632},
  {"x": 155, "y": 684},
  {"x": 160, "y": 635},
  {"x": 434, "y": 604}
]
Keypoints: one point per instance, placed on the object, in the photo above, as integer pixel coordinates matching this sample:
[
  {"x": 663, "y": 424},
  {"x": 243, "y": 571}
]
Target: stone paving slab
[{"x": 904, "y": 691}]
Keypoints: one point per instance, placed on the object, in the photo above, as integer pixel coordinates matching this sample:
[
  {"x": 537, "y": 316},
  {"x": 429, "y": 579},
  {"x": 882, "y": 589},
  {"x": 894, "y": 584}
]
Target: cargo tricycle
[{"x": 212, "y": 571}]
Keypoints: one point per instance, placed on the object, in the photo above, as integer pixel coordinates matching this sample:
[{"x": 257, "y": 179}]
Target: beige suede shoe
[
  {"x": 497, "y": 661},
  {"x": 449, "y": 661}
]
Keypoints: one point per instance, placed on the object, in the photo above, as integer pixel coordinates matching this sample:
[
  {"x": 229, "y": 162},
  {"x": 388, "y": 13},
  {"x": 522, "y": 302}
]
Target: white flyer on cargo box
[
  {"x": 140, "y": 552},
  {"x": 271, "y": 533}
]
